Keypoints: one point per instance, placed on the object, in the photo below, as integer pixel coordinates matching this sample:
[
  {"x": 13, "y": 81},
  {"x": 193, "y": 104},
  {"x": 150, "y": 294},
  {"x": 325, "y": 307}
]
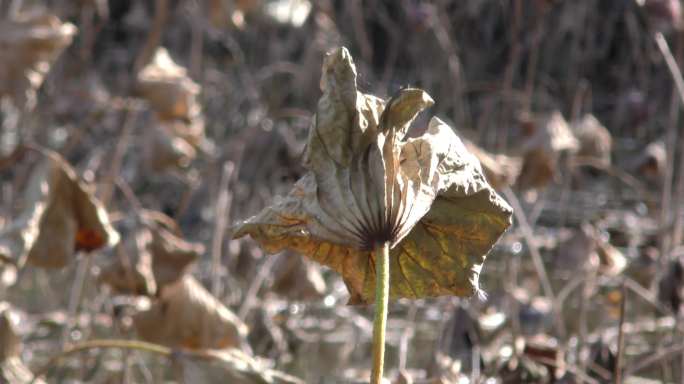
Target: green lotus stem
[{"x": 381, "y": 300}]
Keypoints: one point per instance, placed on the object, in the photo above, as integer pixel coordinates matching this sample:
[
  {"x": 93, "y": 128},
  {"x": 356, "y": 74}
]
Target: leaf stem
[
  {"x": 381, "y": 300},
  {"x": 100, "y": 344}
]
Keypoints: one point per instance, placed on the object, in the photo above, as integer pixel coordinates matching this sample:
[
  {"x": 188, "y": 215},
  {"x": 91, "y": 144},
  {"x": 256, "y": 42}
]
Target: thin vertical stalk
[
  {"x": 617, "y": 375},
  {"x": 381, "y": 301},
  {"x": 222, "y": 212},
  {"x": 670, "y": 143}
]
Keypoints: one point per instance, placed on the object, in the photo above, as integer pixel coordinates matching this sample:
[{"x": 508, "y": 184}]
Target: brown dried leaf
[
  {"x": 177, "y": 127},
  {"x": 578, "y": 253},
  {"x": 366, "y": 185},
  {"x": 171, "y": 255},
  {"x": 549, "y": 137},
  {"x": 297, "y": 278},
  {"x": 652, "y": 161},
  {"x": 186, "y": 315},
  {"x": 500, "y": 170},
  {"x": 166, "y": 85},
  {"x": 594, "y": 139},
  {"x": 63, "y": 217},
  {"x": 227, "y": 366},
  {"x": 170, "y": 144},
  {"x": 131, "y": 272},
  {"x": 35, "y": 41}
]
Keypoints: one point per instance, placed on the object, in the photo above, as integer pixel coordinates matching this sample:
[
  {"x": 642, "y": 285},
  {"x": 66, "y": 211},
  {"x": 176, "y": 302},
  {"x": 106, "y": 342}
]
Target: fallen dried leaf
[{"x": 186, "y": 315}]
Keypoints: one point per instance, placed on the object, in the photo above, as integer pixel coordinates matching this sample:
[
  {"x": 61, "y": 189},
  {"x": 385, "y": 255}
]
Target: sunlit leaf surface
[{"x": 367, "y": 184}]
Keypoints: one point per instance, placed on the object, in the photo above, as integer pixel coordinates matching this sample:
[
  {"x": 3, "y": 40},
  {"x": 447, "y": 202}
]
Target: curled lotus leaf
[
  {"x": 168, "y": 88},
  {"x": 186, "y": 315},
  {"x": 35, "y": 41},
  {"x": 368, "y": 184},
  {"x": 62, "y": 217}
]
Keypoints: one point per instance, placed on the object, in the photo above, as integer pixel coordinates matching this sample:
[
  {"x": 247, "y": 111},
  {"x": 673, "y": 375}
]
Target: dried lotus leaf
[
  {"x": 35, "y": 41},
  {"x": 190, "y": 131},
  {"x": 168, "y": 88},
  {"x": 186, "y": 315},
  {"x": 500, "y": 170},
  {"x": 594, "y": 139},
  {"x": 538, "y": 170},
  {"x": 652, "y": 161},
  {"x": 549, "y": 137},
  {"x": 63, "y": 217},
  {"x": 131, "y": 272},
  {"x": 171, "y": 255},
  {"x": 297, "y": 278},
  {"x": 227, "y": 366},
  {"x": 165, "y": 148},
  {"x": 367, "y": 184}
]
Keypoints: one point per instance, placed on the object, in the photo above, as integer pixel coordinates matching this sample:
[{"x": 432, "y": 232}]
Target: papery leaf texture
[{"x": 367, "y": 183}]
